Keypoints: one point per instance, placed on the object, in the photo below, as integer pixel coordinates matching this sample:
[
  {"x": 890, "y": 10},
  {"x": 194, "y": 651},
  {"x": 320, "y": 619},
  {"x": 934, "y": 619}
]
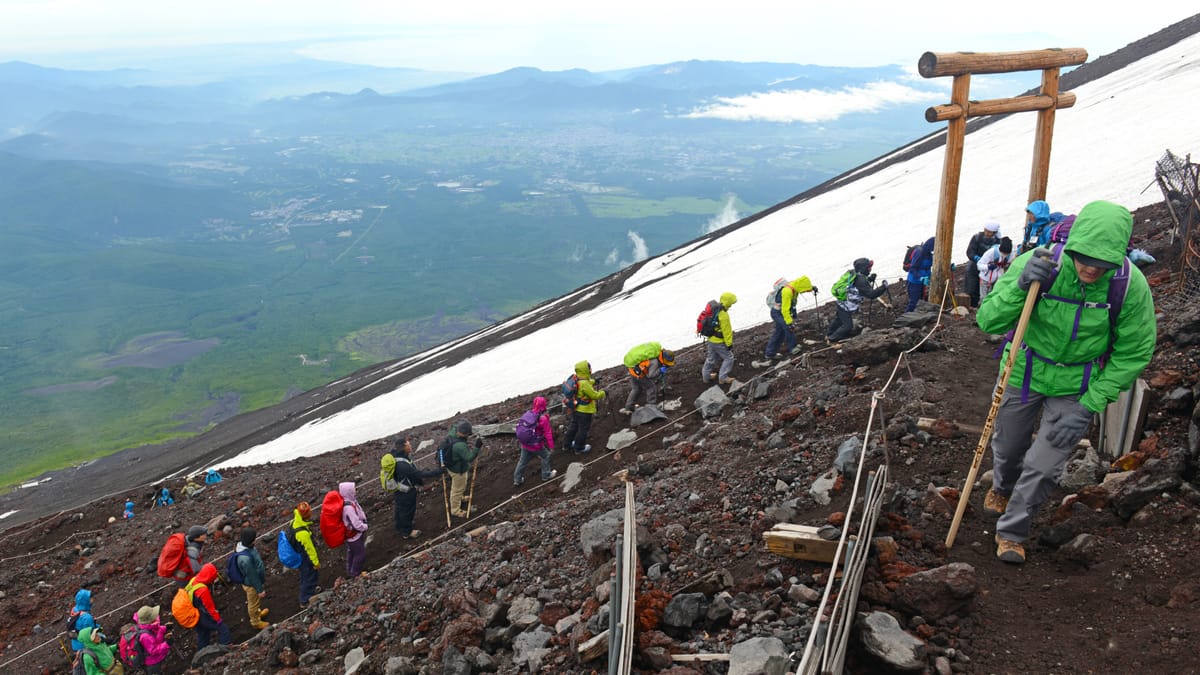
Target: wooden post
[
  {"x": 956, "y": 133},
  {"x": 961, "y": 65},
  {"x": 1039, "y": 175}
]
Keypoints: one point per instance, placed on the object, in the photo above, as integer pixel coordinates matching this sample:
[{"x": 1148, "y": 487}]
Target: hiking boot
[
  {"x": 263, "y": 612},
  {"x": 260, "y": 625},
  {"x": 708, "y": 379},
  {"x": 552, "y": 474},
  {"x": 623, "y": 411},
  {"x": 1009, "y": 551},
  {"x": 459, "y": 513},
  {"x": 794, "y": 350},
  {"x": 728, "y": 380},
  {"x": 517, "y": 483},
  {"x": 994, "y": 503},
  {"x": 586, "y": 449}
]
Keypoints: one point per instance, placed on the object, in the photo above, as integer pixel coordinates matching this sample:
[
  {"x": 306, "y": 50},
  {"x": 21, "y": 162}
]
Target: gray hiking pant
[
  {"x": 716, "y": 353},
  {"x": 1024, "y": 469},
  {"x": 640, "y": 385}
]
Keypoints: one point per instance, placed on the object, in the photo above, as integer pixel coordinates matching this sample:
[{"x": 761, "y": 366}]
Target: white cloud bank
[{"x": 814, "y": 105}]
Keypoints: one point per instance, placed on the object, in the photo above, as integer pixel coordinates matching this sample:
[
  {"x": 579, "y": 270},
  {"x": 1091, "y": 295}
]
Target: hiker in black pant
[
  {"x": 859, "y": 289},
  {"x": 583, "y": 408},
  {"x": 980, "y": 243},
  {"x": 401, "y": 477}
]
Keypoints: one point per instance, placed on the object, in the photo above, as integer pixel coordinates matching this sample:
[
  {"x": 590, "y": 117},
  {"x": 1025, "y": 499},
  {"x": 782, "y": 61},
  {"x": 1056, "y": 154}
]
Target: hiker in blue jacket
[
  {"x": 918, "y": 274},
  {"x": 1037, "y": 225},
  {"x": 81, "y": 617}
]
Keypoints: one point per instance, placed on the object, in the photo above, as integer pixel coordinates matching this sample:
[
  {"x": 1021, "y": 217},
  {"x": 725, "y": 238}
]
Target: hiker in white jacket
[{"x": 992, "y": 265}]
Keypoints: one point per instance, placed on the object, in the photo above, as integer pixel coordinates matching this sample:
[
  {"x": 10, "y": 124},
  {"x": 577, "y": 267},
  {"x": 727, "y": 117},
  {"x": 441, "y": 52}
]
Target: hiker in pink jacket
[
  {"x": 536, "y": 438},
  {"x": 355, "y": 520},
  {"x": 153, "y": 636}
]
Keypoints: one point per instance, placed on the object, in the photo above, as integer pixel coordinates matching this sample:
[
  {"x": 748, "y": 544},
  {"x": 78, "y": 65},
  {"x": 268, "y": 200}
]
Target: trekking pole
[
  {"x": 471, "y": 497},
  {"x": 446, "y": 500},
  {"x": 817, "y": 310},
  {"x": 989, "y": 423}
]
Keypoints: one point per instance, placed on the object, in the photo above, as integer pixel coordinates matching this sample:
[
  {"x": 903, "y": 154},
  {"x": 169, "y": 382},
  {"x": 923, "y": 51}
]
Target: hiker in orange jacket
[{"x": 202, "y": 600}]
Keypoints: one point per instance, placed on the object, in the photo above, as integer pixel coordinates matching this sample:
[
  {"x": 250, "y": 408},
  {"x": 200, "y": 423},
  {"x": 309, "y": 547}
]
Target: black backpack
[{"x": 444, "y": 452}]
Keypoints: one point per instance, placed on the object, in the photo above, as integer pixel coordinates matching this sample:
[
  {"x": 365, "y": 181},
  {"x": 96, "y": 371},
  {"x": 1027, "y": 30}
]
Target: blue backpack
[
  {"x": 570, "y": 392},
  {"x": 232, "y": 570},
  {"x": 286, "y": 550}
]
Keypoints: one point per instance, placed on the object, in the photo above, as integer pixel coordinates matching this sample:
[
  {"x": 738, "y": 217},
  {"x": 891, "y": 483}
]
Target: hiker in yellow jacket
[
  {"x": 782, "y": 302},
  {"x": 719, "y": 348},
  {"x": 302, "y": 520}
]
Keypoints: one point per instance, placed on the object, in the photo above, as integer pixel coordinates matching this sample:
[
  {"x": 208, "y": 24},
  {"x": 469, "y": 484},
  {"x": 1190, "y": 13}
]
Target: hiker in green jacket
[
  {"x": 1061, "y": 371},
  {"x": 647, "y": 364},
  {"x": 719, "y": 354},
  {"x": 462, "y": 456},
  {"x": 96, "y": 655}
]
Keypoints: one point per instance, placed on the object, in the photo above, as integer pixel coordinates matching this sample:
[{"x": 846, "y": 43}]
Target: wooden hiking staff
[
  {"x": 988, "y": 424},
  {"x": 446, "y": 500},
  {"x": 471, "y": 496}
]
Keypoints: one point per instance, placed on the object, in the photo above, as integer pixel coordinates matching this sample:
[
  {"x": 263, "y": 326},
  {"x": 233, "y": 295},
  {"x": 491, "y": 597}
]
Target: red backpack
[
  {"x": 706, "y": 323},
  {"x": 173, "y": 557},
  {"x": 333, "y": 530}
]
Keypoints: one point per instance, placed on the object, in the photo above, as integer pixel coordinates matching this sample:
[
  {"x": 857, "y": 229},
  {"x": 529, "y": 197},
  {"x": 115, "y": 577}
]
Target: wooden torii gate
[{"x": 961, "y": 65}]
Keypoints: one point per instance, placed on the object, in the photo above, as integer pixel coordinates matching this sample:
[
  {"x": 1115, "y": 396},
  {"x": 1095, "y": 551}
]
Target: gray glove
[
  {"x": 1039, "y": 268},
  {"x": 1070, "y": 426}
]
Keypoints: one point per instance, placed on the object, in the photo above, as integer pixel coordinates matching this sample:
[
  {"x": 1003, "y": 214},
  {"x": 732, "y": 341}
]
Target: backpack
[
  {"x": 570, "y": 392},
  {"x": 173, "y": 557},
  {"x": 333, "y": 530},
  {"x": 527, "y": 432},
  {"x": 443, "y": 452},
  {"x": 1061, "y": 229},
  {"x": 183, "y": 609},
  {"x": 78, "y": 668},
  {"x": 841, "y": 287},
  {"x": 130, "y": 649},
  {"x": 72, "y": 631},
  {"x": 232, "y": 570},
  {"x": 287, "y": 549},
  {"x": 706, "y": 323},
  {"x": 775, "y": 297},
  {"x": 911, "y": 255}
]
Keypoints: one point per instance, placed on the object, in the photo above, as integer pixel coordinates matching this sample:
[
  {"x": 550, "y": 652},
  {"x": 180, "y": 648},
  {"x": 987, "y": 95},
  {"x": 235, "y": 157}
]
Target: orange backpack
[
  {"x": 182, "y": 607},
  {"x": 173, "y": 558}
]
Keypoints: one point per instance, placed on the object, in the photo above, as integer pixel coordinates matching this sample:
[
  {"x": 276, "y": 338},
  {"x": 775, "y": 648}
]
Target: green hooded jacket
[
  {"x": 588, "y": 393},
  {"x": 103, "y": 652},
  {"x": 724, "y": 330},
  {"x": 1101, "y": 231}
]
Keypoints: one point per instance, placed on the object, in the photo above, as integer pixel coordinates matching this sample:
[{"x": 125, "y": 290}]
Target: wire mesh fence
[{"x": 1178, "y": 178}]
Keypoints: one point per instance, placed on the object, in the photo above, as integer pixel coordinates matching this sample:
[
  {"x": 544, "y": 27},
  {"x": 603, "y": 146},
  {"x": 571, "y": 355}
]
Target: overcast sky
[{"x": 484, "y": 37}]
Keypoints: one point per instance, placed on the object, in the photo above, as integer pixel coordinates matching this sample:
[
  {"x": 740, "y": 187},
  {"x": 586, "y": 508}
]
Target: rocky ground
[{"x": 1110, "y": 585}]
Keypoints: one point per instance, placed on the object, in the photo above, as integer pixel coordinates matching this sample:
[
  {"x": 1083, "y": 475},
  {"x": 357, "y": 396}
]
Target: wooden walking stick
[
  {"x": 989, "y": 423},
  {"x": 446, "y": 500},
  {"x": 471, "y": 496}
]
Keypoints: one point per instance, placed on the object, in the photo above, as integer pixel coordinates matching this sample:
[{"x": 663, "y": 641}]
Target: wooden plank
[
  {"x": 593, "y": 648},
  {"x": 791, "y": 527},
  {"x": 956, "y": 132},
  {"x": 942, "y": 64},
  {"x": 999, "y": 106},
  {"x": 800, "y": 545},
  {"x": 684, "y": 658}
]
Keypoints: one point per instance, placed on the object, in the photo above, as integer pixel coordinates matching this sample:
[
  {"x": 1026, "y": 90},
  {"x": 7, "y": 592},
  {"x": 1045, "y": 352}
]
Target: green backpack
[{"x": 842, "y": 286}]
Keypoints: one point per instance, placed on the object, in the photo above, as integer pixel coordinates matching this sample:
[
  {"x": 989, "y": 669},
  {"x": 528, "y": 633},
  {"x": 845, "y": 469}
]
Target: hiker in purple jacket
[
  {"x": 542, "y": 445},
  {"x": 355, "y": 520}
]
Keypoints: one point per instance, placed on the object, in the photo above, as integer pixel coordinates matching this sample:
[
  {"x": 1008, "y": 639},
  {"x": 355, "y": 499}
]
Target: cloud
[
  {"x": 728, "y": 215},
  {"x": 640, "y": 251},
  {"x": 814, "y": 105}
]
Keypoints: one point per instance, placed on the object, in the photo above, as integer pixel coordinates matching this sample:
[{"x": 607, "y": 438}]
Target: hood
[
  {"x": 728, "y": 299},
  {"x": 862, "y": 266},
  {"x": 347, "y": 491},
  {"x": 297, "y": 521},
  {"x": 85, "y": 635},
  {"x": 583, "y": 370},
  {"x": 539, "y": 404},
  {"x": 207, "y": 574},
  {"x": 1040, "y": 211},
  {"x": 83, "y": 600},
  {"x": 1101, "y": 230},
  {"x": 927, "y": 247}
]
